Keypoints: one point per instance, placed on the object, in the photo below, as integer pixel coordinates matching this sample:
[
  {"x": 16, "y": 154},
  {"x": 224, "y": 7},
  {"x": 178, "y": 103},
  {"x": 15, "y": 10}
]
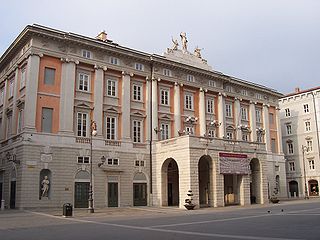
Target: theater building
[{"x": 152, "y": 127}]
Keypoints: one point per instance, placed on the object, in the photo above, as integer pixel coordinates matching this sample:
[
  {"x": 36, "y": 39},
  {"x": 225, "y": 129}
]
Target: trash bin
[{"x": 67, "y": 210}]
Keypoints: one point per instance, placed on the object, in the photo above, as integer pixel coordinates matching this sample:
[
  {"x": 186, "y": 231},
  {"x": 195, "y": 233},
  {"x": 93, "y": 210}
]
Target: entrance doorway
[
  {"x": 293, "y": 189},
  {"x": 170, "y": 183},
  {"x": 112, "y": 194},
  {"x": 231, "y": 189},
  {"x": 140, "y": 189},
  {"x": 13, "y": 188},
  {"x": 81, "y": 189},
  {"x": 204, "y": 177},
  {"x": 255, "y": 181}
]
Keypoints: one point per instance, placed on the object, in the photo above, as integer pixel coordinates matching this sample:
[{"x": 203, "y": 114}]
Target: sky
[{"x": 275, "y": 43}]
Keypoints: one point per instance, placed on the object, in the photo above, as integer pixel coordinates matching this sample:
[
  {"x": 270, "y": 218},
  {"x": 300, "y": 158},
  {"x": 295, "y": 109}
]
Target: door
[
  {"x": 113, "y": 194},
  {"x": 140, "y": 194},
  {"x": 170, "y": 197},
  {"x": 13, "y": 194},
  {"x": 81, "y": 194}
]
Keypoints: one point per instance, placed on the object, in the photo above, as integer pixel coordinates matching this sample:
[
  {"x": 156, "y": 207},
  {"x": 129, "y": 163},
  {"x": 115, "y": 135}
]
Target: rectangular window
[
  {"x": 164, "y": 131},
  {"x": 311, "y": 164},
  {"x": 228, "y": 88},
  {"x": 306, "y": 108},
  {"x": 308, "y": 126},
  {"x": 287, "y": 112},
  {"x": 190, "y": 78},
  {"x": 111, "y": 128},
  {"x": 167, "y": 72},
  {"x": 228, "y": 110},
  {"x": 189, "y": 130},
  {"x": 137, "y": 92},
  {"x": 291, "y": 167},
  {"x": 164, "y": 96},
  {"x": 11, "y": 88},
  {"x": 86, "y": 54},
  {"x": 83, "y": 83},
  {"x": 212, "y": 83},
  {"x": 188, "y": 101},
  {"x": 139, "y": 67},
  {"x": 258, "y": 96},
  {"x": 113, "y": 161},
  {"x": 137, "y": 163},
  {"x": 229, "y": 135},
  {"x": 309, "y": 146},
  {"x": 23, "y": 78},
  {"x": 82, "y": 120},
  {"x": 46, "y": 124},
  {"x": 273, "y": 145},
  {"x": 137, "y": 136},
  {"x": 210, "y": 105},
  {"x": 111, "y": 87},
  {"x": 49, "y": 75},
  {"x": 1, "y": 96},
  {"x": 114, "y": 61},
  {"x": 289, "y": 129},
  {"x": 271, "y": 118},
  {"x": 259, "y": 137},
  {"x": 244, "y": 92},
  {"x": 245, "y": 136},
  {"x": 258, "y": 115},
  {"x": 20, "y": 121},
  {"x": 9, "y": 126},
  {"x": 211, "y": 133},
  {"x": 83, "y": 159},
  {"x": 244, "y": 113},
  {"x": 290, "y": 148}
]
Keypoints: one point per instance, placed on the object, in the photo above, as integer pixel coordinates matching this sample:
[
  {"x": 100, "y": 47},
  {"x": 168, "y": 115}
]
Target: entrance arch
[
  {"x": 140, "y": 189},
  {"x": 13, "y": 183},
  {"x": 255, "y": 181},
  {"x": 170, "y": 183},
  {"x": 293, "y": 189},
  {"x": 205, "y": 181},
  {"x": 81, "y": 189},
  {"x": 313, "y": 188}
]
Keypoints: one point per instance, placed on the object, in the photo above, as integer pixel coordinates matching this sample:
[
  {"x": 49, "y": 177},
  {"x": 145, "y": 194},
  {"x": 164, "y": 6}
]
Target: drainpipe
[
  {"x": 316, "y": 119},
  {"x": 150, "y": 140}
]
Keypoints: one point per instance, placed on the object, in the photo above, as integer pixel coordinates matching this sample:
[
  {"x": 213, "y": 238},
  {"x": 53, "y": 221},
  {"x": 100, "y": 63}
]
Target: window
[
  {"x": 113, "y": 161},
  {"x": 287, "y": 112},
  {"x": 23, "y": 78},
  {"x": 138, "y": 163},
  {"x": 111, "y": 87},
  {"x": 83, "y": 159},
  {"x": 306, "y": 108},
  {"x": 111, "y": 128},
  {"x": 189, "y": 130},
  {"x": 309, "y": 145},
  {"x": 259, "y": 137},
  {"x": 46, "y": 123},
  {"x": 244, "y": 113},
  {"x": 11, "y": 88},
  {"x": 139, "y": 67},
  {"x": 290, "y": 148},
  {"x": 311, "y": 164},
  {"x": 137, "y": 125},
  {"x": 258, "y": 96},
  {"x": 273, "y": 145},
  {"x": 137, "y": 92},
  {"x": 228, "y": 88},
  {"x": 1, "y": 96},
  {"x": 211, "y": 133},
  {"x": 271, "y": 118},
  {"x": 188, "y": 101},
  {"x": 244, "y": 92},
  {"x": 212, "y": 83},
  {"x": 258, "y": 115},
  {"x": 164, "y": 96},
  {"x": 114, "y": 61},
  {"x": 245, "y": 136},
  {"x": 164, "y": 131},
  {"x": 20, "y": 120},
  {"x": 82, "y": 119},
  {"x": 83, "y": 83},
  {"x": 291, "y": 167},
  {"x": 9, "y": 126},
  {"x": 210, "y": 105},
  {"x": 228, "y": 110},
  {"x": 49, "y": 75},
  {"x": 229, "y": 135},
  {"x": 289, "y": 129},
  {"x": 308, "y": 126},
  {"x": 167, "y": 72},
  {"x": 190, "y": 78},
  {"x": 86, "y": 54}
]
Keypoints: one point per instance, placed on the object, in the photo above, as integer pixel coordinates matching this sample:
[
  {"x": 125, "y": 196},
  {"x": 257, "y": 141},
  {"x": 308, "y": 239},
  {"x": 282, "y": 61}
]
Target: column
[
  {"x": 4, "y": 115},
  {"x": 237, "y": 118},
  {"x": 68, "y": 80},
  {"x": 125, "y": 107},
  {"x": 177, "y": 110},
  {"x": 266, "y": 126},
  {"x": 202, "y": 112},
  {"x": 253, "y": 121},
  {"x": 98, "y": 98},
  {"x": 154, "y": 108},
  {"x": 221, "y": 115},
  {"x": 279, "y": 134},
  {"x": 31, "y": 92},
  {"x": 148, "y": 106},
  {"x": 14, "y": 101}
]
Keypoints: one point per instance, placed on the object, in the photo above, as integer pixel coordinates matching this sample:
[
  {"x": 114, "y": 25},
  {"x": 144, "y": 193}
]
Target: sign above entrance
[{"x": 232, "y": 163}]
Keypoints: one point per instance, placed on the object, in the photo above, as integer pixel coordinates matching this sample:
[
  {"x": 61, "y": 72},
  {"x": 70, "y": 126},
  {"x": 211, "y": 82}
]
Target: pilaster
[
  {"x": 221, "y": 115},
  {"x": 237, "y": 118},
  {"x": 253, "y": 121},
  {"x": 279, "y": 134},
  {"x": 177, "y": 109},
  {"x": 98, "y": 98},
  {"x": 4, "y": 115},
  {"x": 266, "y": 125},
  {"x": 125, "y": 107},
  {"x": 14, "y": 106},
  {"x": 202, "y": 112},
  {"x": 155, "y": 107}
]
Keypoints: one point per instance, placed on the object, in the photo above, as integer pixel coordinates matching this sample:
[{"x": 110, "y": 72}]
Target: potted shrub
[{"x": 188, "y": 201}]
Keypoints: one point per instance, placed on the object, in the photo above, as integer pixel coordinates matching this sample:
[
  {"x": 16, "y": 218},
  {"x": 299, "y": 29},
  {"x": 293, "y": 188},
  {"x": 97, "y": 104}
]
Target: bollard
[{"x": 2, "y": 204}]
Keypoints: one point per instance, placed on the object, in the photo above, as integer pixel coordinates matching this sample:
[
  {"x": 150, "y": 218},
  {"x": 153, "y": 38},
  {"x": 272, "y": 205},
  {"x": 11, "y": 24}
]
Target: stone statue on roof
[
  {"x": 197, "y": 52},
  {"x": 184, "y": 41}
]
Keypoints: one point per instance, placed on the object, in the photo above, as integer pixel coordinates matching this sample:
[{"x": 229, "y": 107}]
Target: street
[{"x": 287, "y": 220}]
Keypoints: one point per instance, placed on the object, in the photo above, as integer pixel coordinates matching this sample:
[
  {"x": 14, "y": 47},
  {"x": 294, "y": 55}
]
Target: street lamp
[
  {"x": 305, "y": 149},
  {"x": 212, "y": 124},
  {"x": 93, "y": 132}
]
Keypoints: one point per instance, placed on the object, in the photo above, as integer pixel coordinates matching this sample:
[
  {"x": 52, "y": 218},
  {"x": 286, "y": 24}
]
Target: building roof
[{"x": 303, "y": 91}]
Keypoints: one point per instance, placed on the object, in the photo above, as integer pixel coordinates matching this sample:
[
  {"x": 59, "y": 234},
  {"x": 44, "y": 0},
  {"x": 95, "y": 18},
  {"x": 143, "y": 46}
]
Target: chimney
[
  {"x": 297, "y": 90},
  {"x": 102, "y": 36}
]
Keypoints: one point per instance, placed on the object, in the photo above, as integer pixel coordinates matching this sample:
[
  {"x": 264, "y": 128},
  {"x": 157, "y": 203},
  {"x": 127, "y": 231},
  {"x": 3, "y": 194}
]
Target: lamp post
[
  {"x": 212, "y": 124},
  {"x": 93, "y": 132},
  {"x": 305, "y": 149}
]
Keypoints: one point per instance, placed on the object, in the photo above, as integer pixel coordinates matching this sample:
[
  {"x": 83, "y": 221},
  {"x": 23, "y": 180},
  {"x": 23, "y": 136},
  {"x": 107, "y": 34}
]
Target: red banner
[{"x": 233, "y": 163}]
